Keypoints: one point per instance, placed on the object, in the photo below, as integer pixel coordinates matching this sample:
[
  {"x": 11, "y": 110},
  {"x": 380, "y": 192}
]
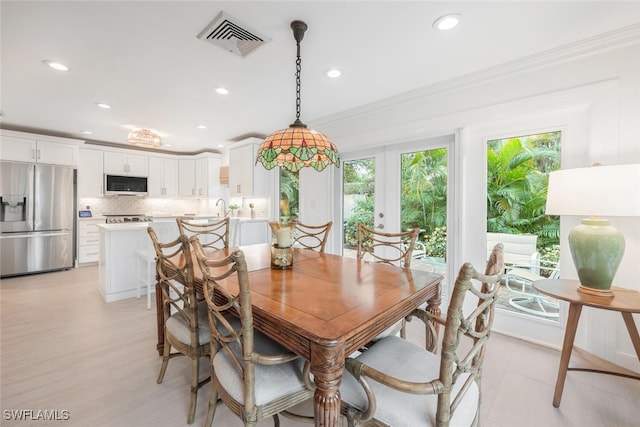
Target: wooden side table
[{"x": 624, "y": 301}]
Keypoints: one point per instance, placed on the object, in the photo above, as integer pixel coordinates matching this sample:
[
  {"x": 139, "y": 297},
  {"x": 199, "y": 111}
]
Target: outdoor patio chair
[{"x": 519, "y": 278}]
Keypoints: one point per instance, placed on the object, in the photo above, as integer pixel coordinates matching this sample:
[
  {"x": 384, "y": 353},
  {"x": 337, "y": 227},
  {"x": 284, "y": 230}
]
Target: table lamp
[{"x": 596, "y": 191}]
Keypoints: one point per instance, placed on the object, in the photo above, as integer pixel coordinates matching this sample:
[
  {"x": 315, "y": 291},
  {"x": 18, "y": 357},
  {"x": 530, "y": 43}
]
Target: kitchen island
[
  {"x": 119, "y": 266},
  {"x": 124, "y": 248}
]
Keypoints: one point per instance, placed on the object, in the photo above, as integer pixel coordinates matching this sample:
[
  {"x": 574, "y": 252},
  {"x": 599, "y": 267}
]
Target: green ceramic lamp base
[{"x": 596, "y": 249}]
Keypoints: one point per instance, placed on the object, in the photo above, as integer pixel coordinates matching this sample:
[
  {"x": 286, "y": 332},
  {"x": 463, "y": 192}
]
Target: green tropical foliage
[
  {"x": 517, "y": 178},
  {"x": 289, "y": 190},
  {"x": 359, "y": 185}
]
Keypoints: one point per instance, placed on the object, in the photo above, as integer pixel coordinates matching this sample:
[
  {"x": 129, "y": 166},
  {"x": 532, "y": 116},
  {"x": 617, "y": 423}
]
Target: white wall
[{"x": 591, "y": 91}]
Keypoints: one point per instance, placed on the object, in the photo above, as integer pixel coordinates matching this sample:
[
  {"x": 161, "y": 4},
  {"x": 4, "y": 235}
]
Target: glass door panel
[
  {"x": 392, "y": 190},
  {"x": 359, "y": 197},
  {"x": 423, "y": 204}
]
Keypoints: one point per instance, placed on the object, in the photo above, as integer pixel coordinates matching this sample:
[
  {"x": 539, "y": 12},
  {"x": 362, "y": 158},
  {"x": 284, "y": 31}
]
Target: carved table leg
[
  {"x": 433, "y": 307},
  {"x": 327, "y": 366}
]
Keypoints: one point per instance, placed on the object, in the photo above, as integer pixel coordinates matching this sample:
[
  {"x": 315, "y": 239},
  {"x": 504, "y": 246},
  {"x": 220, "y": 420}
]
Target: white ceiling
[{"x": 145, "y": 60}]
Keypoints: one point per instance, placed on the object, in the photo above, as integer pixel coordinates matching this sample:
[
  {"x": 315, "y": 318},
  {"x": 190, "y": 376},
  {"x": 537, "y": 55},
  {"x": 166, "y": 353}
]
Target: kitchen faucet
[{"x": 224, "y": 206}]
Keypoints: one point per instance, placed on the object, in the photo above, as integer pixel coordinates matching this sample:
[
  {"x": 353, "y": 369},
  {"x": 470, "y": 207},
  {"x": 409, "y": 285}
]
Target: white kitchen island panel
[{"x": 118, "y": 263}]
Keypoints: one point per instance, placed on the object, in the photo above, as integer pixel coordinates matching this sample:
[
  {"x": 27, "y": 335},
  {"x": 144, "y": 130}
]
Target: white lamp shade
[{"x": 595, "y": 191}]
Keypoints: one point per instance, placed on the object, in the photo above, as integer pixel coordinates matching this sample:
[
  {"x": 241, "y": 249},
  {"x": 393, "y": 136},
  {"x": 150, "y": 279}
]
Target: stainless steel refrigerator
[{"x": 37, "y": 216}]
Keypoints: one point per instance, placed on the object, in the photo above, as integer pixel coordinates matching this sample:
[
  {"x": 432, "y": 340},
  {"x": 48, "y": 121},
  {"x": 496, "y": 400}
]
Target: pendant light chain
[{"x": 298, "y": 68}]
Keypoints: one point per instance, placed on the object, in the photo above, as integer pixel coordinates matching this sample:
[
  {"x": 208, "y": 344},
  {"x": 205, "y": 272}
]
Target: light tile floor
[{"x": 63, "y": 348}]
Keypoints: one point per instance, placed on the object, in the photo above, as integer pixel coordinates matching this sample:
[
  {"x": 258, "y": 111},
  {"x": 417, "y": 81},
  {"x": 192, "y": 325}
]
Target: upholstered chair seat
[
  {"x": 400, "y": 384},
  {"x": 271, "y": 381},
  {"x": 417, "y": 365}
]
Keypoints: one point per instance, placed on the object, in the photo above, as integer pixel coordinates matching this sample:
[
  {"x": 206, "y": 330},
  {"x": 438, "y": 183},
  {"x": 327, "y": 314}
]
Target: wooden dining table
[{"x": 326, "y": 307}]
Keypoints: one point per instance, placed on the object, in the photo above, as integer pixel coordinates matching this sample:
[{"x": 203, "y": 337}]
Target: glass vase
[{"x": 281, "y": 244}]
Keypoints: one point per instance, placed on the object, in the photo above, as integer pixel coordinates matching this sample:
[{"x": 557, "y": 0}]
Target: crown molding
[{"x": 589, "y": 46}]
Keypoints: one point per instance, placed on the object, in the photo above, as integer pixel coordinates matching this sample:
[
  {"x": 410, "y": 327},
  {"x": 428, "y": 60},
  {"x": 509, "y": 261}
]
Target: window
[{"x": 517, "y": 178}]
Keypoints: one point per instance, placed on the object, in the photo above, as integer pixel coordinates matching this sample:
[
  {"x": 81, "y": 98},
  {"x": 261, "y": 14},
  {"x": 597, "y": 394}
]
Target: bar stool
[{"x": 146, "y": 271}]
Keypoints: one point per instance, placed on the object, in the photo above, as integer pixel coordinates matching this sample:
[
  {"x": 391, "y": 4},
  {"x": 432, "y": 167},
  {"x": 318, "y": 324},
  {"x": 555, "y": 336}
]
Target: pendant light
[{"x": 297, "y": 147}]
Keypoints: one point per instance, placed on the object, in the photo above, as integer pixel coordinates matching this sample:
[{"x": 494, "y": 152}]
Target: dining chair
[
  {"x": 398, "y": 383},
  {"x": 252, "y": 374},
  {"x": 311, "y": 236},
  {"x": 495, "y": 265},
  {"x": 212, "y": 235},
  {"x": 388, "y": 248},
  {"x": 186, "y": 328}
]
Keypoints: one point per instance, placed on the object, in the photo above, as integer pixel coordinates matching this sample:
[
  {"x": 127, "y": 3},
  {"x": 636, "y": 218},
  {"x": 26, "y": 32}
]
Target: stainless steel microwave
[{"x": 125, "y": 185}]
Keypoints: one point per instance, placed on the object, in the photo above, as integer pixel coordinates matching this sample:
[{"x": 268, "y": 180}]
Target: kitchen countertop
[{"x": 121, "y": 226}]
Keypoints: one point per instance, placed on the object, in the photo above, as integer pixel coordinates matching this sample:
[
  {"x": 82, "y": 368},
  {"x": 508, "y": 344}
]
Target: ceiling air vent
[{"x": 228, "y": 33}]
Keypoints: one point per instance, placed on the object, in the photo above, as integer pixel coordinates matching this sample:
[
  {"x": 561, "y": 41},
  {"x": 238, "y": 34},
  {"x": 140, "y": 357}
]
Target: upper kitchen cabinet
[
  {"x": 26, "y": 147},
  {"x": 246, "y": 179},
  {"x": 163, "y": 177},
  {"x": 199, "y": 177},
  {"x": 121, "y": 163},
  {"x": 90, "y": 173}
]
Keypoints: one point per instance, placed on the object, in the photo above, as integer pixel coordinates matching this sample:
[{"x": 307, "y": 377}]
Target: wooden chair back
[
  {"x": 236, "y": 339},
  {"x": 212, "y": 235},
  {"x": 453, "y": 363},
  {"x": 174, "y": 270},
  {"x": 389, "y": 248},
  {"x": 184, "y": 329},
  {"x": 457, "y": 362},
  {"x": 311, "y": 236}
]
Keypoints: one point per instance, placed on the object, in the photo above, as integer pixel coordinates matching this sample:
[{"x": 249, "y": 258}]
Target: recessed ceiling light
[
  {"x": 447, "y": 22},
  {"x": 201, "y": 127},
  {"x": 86, "y": 132},
  {"x": 103, "y": 105},
  {"x": 220, "y": 145},
  {"x": 333, "y": 73},
  {"x": 222, "y": 91},
  {"x": 56, "y": 65}
]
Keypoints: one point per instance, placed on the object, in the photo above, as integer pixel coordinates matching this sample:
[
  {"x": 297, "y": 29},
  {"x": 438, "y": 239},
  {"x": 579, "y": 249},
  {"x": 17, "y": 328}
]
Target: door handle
[{"x": 380, "y": 226}]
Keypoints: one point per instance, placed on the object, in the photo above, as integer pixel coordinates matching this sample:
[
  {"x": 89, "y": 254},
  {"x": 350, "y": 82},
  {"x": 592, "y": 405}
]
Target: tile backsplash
[{"x": 129, "y": 205}]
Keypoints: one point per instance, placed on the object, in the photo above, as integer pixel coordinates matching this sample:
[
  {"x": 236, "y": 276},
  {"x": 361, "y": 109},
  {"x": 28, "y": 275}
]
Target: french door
[{"x": 397, "y": 187}]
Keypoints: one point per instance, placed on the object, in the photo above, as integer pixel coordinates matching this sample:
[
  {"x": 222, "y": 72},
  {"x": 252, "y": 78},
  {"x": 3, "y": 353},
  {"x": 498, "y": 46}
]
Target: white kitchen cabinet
[
  {"x": 202, "y": 177},
  {"x": 90, "y": 173},
  {"x": 25, "y": 147},
  {"x": 199, "y": 177},
  {"x": 121, "y": 163},
  {"x": 246, "y": 179},
  {"x": 88, "y": 240},
  {"x": 163, "y": 177},
  {"x": 186, "y": 178}
]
